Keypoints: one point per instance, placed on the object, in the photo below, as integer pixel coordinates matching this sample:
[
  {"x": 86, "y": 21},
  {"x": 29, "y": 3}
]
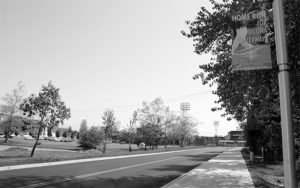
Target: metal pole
[{"x": 285, "y": 96}]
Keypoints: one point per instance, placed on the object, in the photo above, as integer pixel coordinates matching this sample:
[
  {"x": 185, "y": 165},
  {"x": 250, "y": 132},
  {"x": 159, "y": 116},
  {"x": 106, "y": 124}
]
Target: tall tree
[
  {"x": 244, "y": 92},
  {"x": 131, "y": 130},
  {"x": 48, "y": 107},
  {"x": 11, "y": 109},
  {"x": 110, "y": 126}
]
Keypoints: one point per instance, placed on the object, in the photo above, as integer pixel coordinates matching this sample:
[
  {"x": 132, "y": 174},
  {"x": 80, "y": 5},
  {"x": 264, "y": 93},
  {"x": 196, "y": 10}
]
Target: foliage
[
  {"x": 110, "y": 123},
  {"x": 10, "y": 109},
  {"x": 91, "y": 138},
  {"x": 152, "y": 117},
  {"x": 150, "y": 134},
  {"x": 70, "y": 129},
  {"x": 83, "y": 128},
  {"x": 49, "y": 132},
  {"x": 110, "y": 126},
  {"x": 244, "y": 92},
  {"x": 131, "y": 130},
  {"x": 65, "y": 134},
  {"x": 57, "y": 134},
  {"x": 48, "y": 107}
]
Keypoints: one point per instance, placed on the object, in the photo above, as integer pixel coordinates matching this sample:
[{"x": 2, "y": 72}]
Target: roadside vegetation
[{"x": 250, "y": 97}]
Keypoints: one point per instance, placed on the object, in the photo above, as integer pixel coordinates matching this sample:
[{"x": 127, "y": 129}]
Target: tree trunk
[
  {"x": 6, "y": 138},
  {"x": 104, "y": 147},
  {"x": 165, "y": 136},
  {"x": 130, "y": 146},
  {"x": 37, "y": 140}
]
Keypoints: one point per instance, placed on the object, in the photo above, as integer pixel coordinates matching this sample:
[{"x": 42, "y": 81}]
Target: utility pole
[{"x": 285, "y": 96}]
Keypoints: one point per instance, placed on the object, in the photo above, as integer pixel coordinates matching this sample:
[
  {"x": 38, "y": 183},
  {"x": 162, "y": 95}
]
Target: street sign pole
[{"x": 285, "y": 96}]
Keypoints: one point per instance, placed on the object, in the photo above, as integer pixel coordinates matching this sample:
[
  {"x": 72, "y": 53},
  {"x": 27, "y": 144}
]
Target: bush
[
  {"x": 65, "y": 134},
  {"x": 16, "y": 133},
  {"x": 91, "y": 138},
  {"x": 57, "y": 134}
]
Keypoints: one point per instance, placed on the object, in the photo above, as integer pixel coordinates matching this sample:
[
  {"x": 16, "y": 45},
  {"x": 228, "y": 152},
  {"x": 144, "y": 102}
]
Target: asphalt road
[{"x": 143, "y": 171}]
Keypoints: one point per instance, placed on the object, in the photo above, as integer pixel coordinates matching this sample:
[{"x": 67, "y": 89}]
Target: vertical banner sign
[{"x": 250, "y": 45}]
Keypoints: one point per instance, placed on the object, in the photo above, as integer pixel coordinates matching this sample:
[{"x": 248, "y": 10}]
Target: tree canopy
[
  {"x": 243, "y": 92},
  {"x": 48, "y": 107}
]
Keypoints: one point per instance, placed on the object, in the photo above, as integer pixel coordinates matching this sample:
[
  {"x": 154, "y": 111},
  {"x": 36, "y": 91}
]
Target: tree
[
  {"x": 110, "y": 126},
  {"x": 48, "y": 107},
  {"x": 244, "y": 92},
  {"x": 186, "y": 128},
  {"x": 49, "y": 132},
  {"x": 70, "y": 129},
  {"x": 65, "y": 134},
  {"x": 57, "y": 134},
  {"x": 10, "y": 107},
  {"x": 91, "y": 138},
  {"x": 152, "y": 116},
  {"x": 151, "y": 134},
  {"x": 83, "y": 127},
  {"x": 131, "y": 130}
]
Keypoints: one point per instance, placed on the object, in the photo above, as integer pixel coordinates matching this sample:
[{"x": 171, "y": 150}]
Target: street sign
[{"x": 250, "y": 45}]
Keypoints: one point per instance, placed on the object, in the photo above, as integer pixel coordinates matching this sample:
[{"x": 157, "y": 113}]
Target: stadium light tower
[{"x": 184, "y": 107}]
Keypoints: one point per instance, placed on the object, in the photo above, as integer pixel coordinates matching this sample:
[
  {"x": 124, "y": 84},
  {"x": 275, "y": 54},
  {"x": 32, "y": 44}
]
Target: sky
[{"x": 107, "y": 54}]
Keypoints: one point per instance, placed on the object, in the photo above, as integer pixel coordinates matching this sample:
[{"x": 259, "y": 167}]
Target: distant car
[{"x": 122, "y": 142}]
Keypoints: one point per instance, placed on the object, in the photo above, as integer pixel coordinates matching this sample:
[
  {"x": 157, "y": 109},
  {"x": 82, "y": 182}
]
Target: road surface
[{"x": 142, "y": 171}]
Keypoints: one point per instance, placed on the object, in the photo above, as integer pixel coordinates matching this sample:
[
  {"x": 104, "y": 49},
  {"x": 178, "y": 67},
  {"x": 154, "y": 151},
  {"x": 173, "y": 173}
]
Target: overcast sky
[{"x": 106, "y": 54}]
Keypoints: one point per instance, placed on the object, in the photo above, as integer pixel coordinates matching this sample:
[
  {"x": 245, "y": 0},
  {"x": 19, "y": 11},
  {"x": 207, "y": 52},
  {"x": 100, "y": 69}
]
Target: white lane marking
[
  {"x": 93, "y": 174},
  {"x": 5, "y": 168}
]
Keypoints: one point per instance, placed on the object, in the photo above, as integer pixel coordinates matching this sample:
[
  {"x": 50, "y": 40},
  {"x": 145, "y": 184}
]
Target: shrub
[
  {"x": 91, "y": 138},
  {"x": 65, "y": 134},
  {"x": 57, "y": 133}
]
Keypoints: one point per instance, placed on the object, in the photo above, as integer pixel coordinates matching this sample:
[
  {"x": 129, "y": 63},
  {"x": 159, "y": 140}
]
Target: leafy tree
[
  {"x": 131, "y": 130},
  {"x": 110, "y": 126},
  {"x": 74, "y": 134},
  {"x": 186, "y": 128},
  {"x": 152, "y": 113},
  {"x": 70, "y": 129},
  {"x": 49, "y": 132},
  {"x": 65, "y": 134},
  {"x": 83, "y": 128},
  {"x": 150, "y": 134},
  {"x": 91, "y": 138},
  {"x": 10, "y": 107},
  {"x": 48, "y": 107},
  {"x": 57, "y": 134},
  {"x": 244, "y": 92}
]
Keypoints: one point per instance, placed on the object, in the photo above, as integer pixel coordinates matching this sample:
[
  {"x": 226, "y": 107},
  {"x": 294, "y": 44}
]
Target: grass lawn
[
  {"x": 20, "y": 155},
  {"x": 264, "y": 173},
  {"x": 20, "y": 141}
]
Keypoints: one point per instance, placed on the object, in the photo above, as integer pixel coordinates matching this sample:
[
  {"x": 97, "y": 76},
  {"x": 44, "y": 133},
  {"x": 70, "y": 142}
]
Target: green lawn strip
[
  {"x": 44, "y": 144},
  {"x": 21, "y": 155},
  {"x": 258, "y": 170}
]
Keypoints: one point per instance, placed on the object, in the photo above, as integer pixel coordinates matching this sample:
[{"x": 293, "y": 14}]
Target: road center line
[{"x": 93, "y": 174}]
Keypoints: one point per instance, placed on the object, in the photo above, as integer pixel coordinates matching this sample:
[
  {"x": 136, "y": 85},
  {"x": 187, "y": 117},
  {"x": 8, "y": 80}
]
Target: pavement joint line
[
  {"x": 35, "y": 165},
  {"x": 93, "y": 174}
]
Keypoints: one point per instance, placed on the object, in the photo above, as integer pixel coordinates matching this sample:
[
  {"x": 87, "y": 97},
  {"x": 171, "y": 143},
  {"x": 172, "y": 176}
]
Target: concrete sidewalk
[{"x": 226, "y": 170}]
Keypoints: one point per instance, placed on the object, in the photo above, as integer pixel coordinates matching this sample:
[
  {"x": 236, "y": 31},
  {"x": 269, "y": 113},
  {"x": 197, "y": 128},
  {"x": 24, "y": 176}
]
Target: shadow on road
[{"x": 92, "y": 182}]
